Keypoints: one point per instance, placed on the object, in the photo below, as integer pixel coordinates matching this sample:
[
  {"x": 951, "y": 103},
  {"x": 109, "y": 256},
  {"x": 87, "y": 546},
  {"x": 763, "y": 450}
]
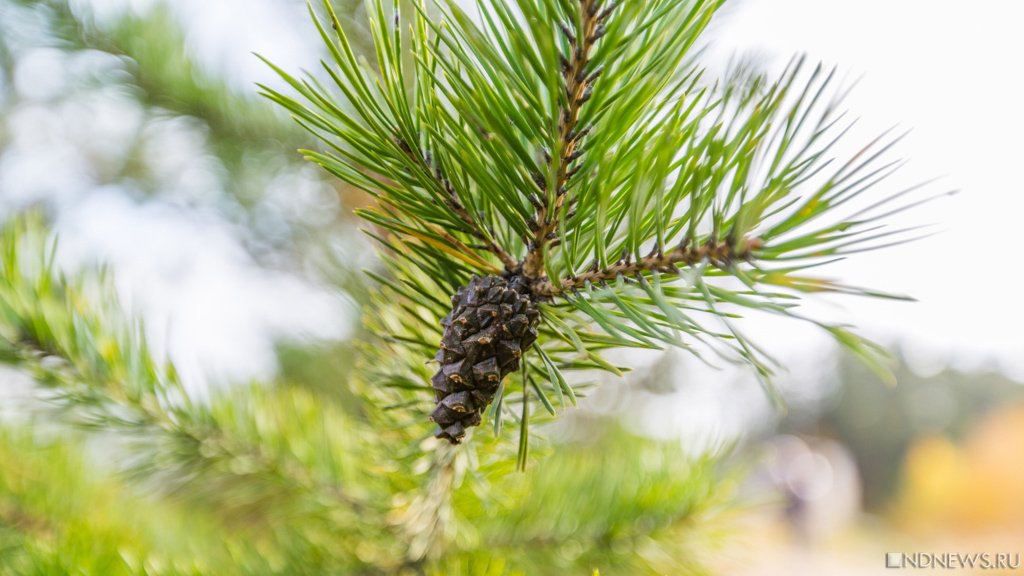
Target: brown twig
[
  {"x": 452, "y": 201},
  {"x": 486, "y": 241},
  {"x": 578, "y": 86},
  {"x": 719, "y": 253}
]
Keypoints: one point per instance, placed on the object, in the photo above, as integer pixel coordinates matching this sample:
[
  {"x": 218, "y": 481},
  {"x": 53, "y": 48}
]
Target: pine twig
[
  {"x": 452, "y": 201},
  {"x": 489, "y": 244},
  {"x": 62, "y": 373},
  {"x": 578, "y": 88},
  {"x": 719, "y": 253}
]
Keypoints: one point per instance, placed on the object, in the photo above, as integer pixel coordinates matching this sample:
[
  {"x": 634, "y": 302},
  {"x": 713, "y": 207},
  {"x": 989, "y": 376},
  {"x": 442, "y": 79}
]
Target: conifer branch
[
  {"x": 69, "y": 332},
  {"x": 578, "y": 88},
  {"x": 487, "y": 242},
  {"x": 718, "y": 253},
  {"x": 455, "y": 205},
  {"x": 144, "y": 415},
  {"x": 741, "y": 168}
]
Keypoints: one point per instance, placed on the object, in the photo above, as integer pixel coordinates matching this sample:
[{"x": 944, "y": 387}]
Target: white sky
[{"x": 951, "y": 72}]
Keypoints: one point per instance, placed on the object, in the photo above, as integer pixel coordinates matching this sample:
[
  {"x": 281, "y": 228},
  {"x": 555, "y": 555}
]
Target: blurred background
[{"x": 135, "y": 126}]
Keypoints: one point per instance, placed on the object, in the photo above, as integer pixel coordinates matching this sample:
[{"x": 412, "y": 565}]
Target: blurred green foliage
[
  {"x": 236, "y": 138},
  {"x": 60, "y": 515}
]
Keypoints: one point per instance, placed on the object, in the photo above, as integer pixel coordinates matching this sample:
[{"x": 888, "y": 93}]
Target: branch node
[
  {"x": 589, "y": 78},
  {"x": 568, "y": 32},
  {"x": 608, "y": 11},
  {"x": 718, "y": 253}
]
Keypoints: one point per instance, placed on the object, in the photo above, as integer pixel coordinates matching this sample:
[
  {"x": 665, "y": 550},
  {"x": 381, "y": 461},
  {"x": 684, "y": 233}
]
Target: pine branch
[
  {"x": 722, "y": 170},
  {"x": 69, "y": 333},
  {"x": 200, "y": 445},
  {"x": 718, "y": 253},
  {"x": 455, "y": 205},
  {"x": 68, "y": 502},
  {"x": 488, "y": 242},
  {"x": 577, "y": 80},
  {"x": 598, "y": 485}
]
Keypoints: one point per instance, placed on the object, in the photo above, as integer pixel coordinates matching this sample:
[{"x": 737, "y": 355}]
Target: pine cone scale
[{"x": 493, "y": 319}]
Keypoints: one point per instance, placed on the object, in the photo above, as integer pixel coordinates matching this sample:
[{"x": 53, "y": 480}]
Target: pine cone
[{"x": 493, "y": 320}]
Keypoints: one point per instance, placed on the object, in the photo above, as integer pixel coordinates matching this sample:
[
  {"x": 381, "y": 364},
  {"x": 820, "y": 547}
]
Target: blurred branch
[
  {"x": 606, "y": 498},
  {"x": 90, "y": 524},
  {"x": 167, "y": 75},
  {"x": 69, "y": 333},
  {"x": 241, "y": 134}
]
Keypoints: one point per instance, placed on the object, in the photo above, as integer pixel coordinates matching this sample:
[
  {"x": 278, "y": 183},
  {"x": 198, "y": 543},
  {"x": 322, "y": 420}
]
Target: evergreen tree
[{"x": 554, "y": 179}]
